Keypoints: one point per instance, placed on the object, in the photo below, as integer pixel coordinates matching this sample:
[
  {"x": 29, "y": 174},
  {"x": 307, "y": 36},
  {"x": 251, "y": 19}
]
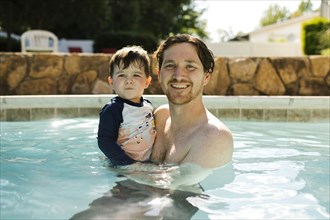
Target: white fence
[
  {"x": 238, "y": 49},
  {"x": 249, "y": 49},
  {"x": 84, "y": 46}
]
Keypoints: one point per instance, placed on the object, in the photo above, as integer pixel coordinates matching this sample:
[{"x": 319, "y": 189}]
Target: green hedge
[
  {"x": 313, "y": 34},
  {"x": 111, "y": 41}
]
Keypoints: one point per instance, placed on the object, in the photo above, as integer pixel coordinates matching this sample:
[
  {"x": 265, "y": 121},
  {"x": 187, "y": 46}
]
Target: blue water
[{"x": 53, "y": 170}]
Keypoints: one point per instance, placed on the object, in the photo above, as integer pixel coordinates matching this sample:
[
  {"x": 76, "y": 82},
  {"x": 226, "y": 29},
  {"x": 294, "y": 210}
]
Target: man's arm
[{"x": 183, "y": 176}]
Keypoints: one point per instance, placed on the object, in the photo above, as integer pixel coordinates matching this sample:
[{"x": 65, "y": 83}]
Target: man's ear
[
  {"x": 148, "y": 81},
  {"x": 207, "y": 78},
  {"x": 158, "y": 74},
  {"x": 110, "y": 80}
]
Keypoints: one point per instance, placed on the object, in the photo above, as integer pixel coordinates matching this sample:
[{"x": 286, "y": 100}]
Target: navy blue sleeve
[{"x": 110, "y": 120}]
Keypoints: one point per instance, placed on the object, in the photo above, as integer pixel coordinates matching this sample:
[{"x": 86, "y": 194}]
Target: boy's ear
[
  {"x": 110, "y": 80},
  {"x": 148, "y": 81}
]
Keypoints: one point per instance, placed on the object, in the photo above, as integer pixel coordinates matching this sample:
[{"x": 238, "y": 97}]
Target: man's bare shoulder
[
  {"x": 215, "y": 125},
  {"x": 162, "y": 107},
  {"x": 215, "y": 144},
  {"x": 218, "y": 134}
]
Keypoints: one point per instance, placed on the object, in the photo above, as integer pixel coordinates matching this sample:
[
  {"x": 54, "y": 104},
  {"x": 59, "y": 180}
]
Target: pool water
[{"x": 53, "y": 169}]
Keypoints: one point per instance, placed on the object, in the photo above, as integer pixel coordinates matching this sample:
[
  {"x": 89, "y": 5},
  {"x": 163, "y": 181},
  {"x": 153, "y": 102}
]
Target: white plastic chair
[{"x": 39, "y": 41}]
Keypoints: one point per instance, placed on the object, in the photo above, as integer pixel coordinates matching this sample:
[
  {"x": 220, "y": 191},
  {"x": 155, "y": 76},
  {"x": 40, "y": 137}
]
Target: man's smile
[{"x": 179, "y": 85}]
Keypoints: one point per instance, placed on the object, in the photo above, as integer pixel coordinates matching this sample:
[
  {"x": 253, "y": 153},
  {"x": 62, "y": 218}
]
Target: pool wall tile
[
  {"x": 42, "y": 113},
  {"x": 214, "y": 112},
  {"x": 89, "y": 112},
  {"x": 275, "y": 114},
  {"x": 233, "y": 114},
  {"x": 260, "y": 108},
  {"x": 318, "y": 114},
  {"x": 18, "y": 115},
  {"x": 302, "y": 115},
  {"x": 66, "y": 112},
  {"x": 2, "y": 114},
  {"x": 252, "y": 114}
]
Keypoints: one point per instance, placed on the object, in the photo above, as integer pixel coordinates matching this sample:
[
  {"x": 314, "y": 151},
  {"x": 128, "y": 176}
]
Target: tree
[
  {"x": 145, "y": 22},
  {"x": 274, "y": 14},
  {"x": 86, "y": 19},
  {"x": 304, "y": 7},
  {"x": 67, "y": 18},
  {"x": 172, "y": 16}
]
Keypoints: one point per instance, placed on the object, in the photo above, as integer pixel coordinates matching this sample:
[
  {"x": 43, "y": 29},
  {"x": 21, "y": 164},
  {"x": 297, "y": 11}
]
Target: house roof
[
  {"x": 289, "y": 22},
  {"x": 243, "y": 37}
]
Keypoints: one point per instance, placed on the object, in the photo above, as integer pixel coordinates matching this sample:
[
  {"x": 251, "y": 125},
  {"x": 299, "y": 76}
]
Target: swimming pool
[{"x": 53, "y": 169}]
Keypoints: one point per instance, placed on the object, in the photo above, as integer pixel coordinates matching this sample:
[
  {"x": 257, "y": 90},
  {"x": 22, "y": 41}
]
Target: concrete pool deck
[{"x": 259, "y": 108}]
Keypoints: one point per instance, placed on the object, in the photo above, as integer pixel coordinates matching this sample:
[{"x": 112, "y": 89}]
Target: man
[
  {"x": 190, "y": 142},
  {"x": 188, "y": 135},
  {"x": 186, "y": 131}
]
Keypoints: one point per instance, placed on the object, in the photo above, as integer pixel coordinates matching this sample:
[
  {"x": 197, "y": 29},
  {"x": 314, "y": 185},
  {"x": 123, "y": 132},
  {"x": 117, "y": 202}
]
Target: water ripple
[{"x": 26, "y": 160}]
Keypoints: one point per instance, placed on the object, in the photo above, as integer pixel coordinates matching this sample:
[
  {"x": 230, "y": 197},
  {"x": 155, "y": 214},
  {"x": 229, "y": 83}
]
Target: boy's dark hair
[
  {"x": 126, "y": 56},
  {"x": 204, "y": 54}
]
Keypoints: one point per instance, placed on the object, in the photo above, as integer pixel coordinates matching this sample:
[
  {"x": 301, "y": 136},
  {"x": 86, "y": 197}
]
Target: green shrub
[
  {"x": 313, "y": 33},
  {"x": 115, "y": 40},
  {"x": 325, "y": 42},
  {"x": 325, "y": 52}
]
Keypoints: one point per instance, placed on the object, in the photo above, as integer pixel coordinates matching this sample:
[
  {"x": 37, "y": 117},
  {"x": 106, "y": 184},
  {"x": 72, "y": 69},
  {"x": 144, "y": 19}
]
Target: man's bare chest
[{"x": 177, "y": 147}]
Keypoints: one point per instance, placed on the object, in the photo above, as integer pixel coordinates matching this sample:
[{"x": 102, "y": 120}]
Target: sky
[{"x": 240, "y": 15}]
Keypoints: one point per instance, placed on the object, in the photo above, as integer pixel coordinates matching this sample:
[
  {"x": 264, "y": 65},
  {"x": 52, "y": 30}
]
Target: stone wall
[{"x": 64, "y": 73}]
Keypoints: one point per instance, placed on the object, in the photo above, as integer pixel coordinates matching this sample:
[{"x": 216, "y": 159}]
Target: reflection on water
[{"x": 131, "y": 200}]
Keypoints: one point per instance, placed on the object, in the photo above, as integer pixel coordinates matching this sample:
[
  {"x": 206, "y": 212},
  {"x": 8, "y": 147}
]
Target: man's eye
[
  {"x": 169, "y": 66},
  {"x": 190, "y": 67}
]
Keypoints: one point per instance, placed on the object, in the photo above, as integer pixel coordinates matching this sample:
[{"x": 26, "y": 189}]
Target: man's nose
[{"x": 179, "y": 73}]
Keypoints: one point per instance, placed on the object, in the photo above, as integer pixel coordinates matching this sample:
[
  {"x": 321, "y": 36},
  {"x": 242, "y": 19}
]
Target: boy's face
[{"x": 129, "y": 83}]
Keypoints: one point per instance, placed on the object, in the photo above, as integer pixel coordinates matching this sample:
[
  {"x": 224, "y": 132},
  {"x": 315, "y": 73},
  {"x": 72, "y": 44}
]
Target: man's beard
[{"x": 183, "y": 99}]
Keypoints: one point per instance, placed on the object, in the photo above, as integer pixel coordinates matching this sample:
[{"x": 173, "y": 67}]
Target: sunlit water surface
[{"x": 53, "y": 169}]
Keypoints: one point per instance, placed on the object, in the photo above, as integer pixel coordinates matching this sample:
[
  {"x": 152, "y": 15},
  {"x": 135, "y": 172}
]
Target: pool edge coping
[
  {"x": 234, "y": 102},
  {"x": 284, "y": 108}
]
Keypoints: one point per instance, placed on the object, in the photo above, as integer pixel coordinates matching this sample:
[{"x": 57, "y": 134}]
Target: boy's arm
[
  {"x": 110, "y": 119},
  {"x": 114, "y": 152}
]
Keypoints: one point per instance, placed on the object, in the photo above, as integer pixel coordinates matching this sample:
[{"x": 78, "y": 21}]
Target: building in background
[
  {"x": 280, "y": 39},
  {"x": 325, "y": 9}
]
